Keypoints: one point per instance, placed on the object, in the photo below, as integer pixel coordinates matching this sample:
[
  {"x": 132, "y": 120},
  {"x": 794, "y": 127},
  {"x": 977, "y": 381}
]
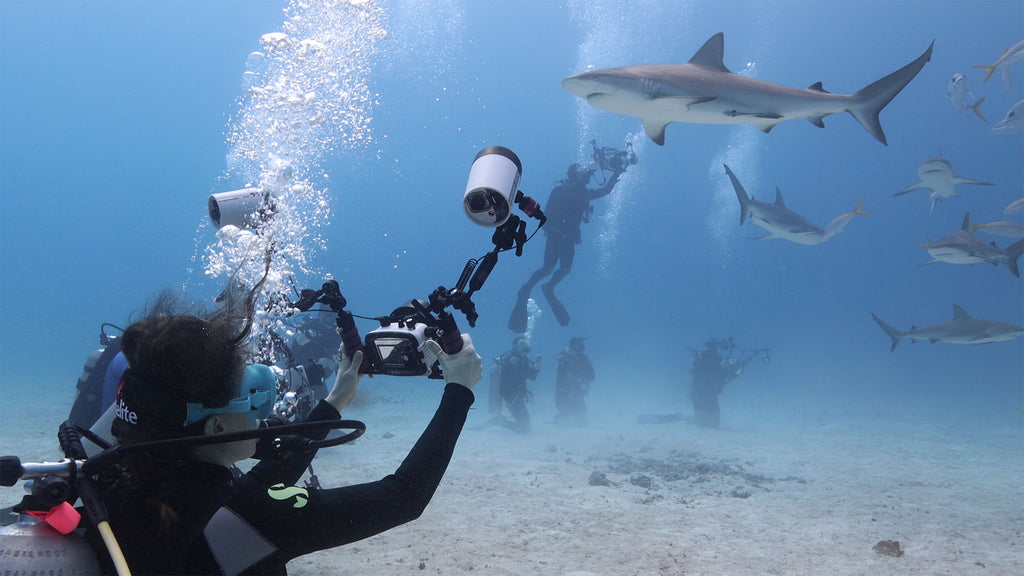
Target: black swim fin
[
  {"x": 658, "y": 418},
  {"x": 561, "y": 314},
  {"x": 517, "y": 321}
]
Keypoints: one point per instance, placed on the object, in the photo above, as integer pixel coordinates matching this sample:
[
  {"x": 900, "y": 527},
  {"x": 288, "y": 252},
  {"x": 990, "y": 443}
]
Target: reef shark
[
  {"x": 937, "y": 175},
  {"x": 962, "y": 329},
  {"x": 704, "y": 91},
  {"x": 963, "y": 247},
  {"x": 782, "y": 222}
]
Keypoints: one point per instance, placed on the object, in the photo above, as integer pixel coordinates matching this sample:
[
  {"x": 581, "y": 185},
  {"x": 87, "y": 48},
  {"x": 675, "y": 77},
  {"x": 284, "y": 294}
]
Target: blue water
[{"x": 115, "y": 124}]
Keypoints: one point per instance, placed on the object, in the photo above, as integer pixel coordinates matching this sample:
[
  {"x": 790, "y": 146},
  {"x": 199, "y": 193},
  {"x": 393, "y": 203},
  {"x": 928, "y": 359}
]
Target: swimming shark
[
  {"x": 937, "y": 175},
  {"x": 704, "y": 91},
  {"x": 962, "y": 329},
  {"x": 782, "y": 222},
  {"x": 1012, "y": 54},
  {"x": 963, "y": 247}
]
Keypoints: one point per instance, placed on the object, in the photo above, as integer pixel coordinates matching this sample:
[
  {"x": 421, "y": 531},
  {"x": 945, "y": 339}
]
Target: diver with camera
[
  {"x": 567, "y": 208},
  {"x": 710, "y": 372},
  {"x": 163, "y": 495}
]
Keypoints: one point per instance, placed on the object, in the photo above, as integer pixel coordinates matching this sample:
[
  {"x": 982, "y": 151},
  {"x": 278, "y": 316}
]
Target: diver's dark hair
[{"x": 194, "y": 355}]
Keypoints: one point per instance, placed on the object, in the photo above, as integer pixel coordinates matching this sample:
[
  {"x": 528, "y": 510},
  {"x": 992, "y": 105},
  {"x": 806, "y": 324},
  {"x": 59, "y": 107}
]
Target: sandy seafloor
[{"x": 792, "y": 494}]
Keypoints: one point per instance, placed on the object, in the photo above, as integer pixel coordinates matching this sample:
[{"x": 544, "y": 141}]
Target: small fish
[
  {"x": 1003, "y": 228},
  {"x": 961, "y": 96},
  {"x": 1015, "y": 207},
  {"x": 1012, "y": 122},
  {"x": 1012, "y": 54}
]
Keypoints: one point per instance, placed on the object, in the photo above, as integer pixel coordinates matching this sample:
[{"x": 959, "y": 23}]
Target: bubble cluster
[{"x": 306, "y": 96}]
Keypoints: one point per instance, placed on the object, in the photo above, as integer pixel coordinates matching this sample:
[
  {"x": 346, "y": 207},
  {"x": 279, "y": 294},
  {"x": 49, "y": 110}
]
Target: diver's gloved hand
[
  {"x": 465, "y": 367},
  {"x": 348, "y": 379}
]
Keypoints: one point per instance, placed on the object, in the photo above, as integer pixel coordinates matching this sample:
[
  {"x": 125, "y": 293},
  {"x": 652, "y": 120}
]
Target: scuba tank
[
  {"x": 30, "y": 546},
  {"x": 41, "y": 540},
  {"x": 89, "y": 398}
]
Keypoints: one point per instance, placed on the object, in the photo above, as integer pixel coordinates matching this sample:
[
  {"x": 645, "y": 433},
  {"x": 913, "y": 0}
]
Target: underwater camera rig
[
  {"x": 609, "y": 159},
  {"x": 396, "y": 347},
  {"x": 735, "y": 356}
]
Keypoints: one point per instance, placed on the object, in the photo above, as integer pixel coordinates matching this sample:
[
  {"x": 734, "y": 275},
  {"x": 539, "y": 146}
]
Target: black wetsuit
[
  {"x": 566, "y": 209},
  {"x": 280, "y": 521},
  {"x": 575, "y": 373},
  {"x": 515, "y": 369},
  {"x": 710, "y": 375}
]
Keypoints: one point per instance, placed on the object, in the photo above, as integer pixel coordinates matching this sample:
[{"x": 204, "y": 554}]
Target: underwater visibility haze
[{"x": 362, "y": 118}]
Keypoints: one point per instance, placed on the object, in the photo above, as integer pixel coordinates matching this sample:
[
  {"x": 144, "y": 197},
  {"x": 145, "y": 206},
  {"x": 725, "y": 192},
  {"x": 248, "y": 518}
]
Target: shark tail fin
[
  {"x": 741, "y": 194},
  {"x": 1013, "y": 252},
  {"x": 869, "y": 101},
  {"x": 977, "y": 108},
  {"x": 893, "y": 333}
]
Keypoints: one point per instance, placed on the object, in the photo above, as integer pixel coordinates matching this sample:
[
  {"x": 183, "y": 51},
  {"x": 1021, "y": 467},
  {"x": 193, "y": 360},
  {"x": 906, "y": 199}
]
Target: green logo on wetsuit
[{"x": 282, "y": 492}]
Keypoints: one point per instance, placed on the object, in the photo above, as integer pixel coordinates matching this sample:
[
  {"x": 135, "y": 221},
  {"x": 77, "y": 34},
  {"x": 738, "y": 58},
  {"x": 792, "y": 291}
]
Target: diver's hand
[
  {"x": 348, "y": 379},
  {"x": 465, "y": 367}
]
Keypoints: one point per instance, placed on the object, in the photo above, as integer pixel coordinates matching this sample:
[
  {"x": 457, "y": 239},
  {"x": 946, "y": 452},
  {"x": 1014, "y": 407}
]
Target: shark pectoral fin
[
  {"x": 911, "y": 188},
  {"x": 817, "y": 121},
  {"x": 927, "y": 263},
  {"x": 772, "y": 121},
  {"x": 655, "y": 130},
  {"x": 959, "y": 180}
]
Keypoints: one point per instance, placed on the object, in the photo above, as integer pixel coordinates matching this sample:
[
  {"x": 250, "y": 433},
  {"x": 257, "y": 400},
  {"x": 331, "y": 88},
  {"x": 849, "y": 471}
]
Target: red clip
[{"x": 63, "y": 517}]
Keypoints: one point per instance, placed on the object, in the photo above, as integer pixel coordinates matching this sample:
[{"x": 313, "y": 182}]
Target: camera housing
[
  {"x": 395, "y": 350},
  {"x": 492, "y": 186},
  {"x": 245, "y": 208}
]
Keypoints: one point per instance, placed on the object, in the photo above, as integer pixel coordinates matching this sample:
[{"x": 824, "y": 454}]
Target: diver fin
[
  {"x": 517, "y": 320},
  {"x": 557, "y": 308}
]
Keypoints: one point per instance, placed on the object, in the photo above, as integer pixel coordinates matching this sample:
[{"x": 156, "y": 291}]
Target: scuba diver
[
  {"x": 510, "y": 373},
  {"x": 566, "y": 209},
  {"x": 189, "y": 511},
  {"x": 572, "y": 383},
  {"x": 101, "y": 374},
  {"x": 710, "y": 372}
]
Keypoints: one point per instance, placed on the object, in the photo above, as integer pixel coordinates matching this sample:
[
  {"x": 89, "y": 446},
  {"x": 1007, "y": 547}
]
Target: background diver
[{"x": 567, "y": 208}]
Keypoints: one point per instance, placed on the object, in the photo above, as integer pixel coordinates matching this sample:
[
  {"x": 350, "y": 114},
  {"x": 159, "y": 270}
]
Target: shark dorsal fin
[
  {"x": 778, "y": 198},
  {"x": 967, "y": 222},
  {"x": 959, "y": 313},
  {"x": 817, "y": 87},
  {"x": 710, "y": 54}
]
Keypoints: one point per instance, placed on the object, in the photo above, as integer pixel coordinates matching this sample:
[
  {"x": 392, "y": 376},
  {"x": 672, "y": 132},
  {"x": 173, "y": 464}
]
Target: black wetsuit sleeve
[
  {"x": 333, "y": 517},
  {"x": 294, "y": 465}
]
